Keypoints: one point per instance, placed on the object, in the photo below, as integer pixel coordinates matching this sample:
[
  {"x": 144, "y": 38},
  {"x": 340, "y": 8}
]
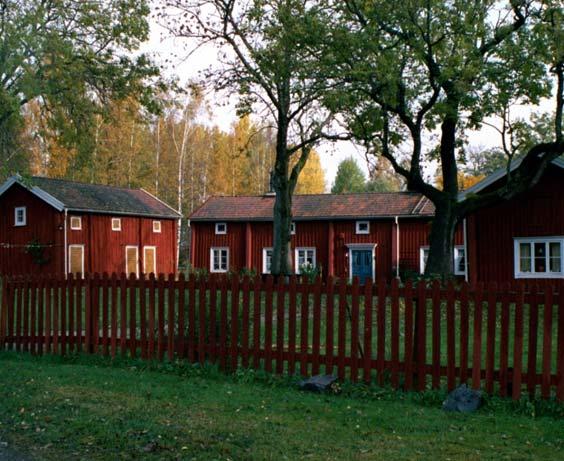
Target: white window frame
[
  {"x": 264, "y": 259},
  {"x": 362, "y": 232},
  {"x": 220, "y": 270},
  {"x": 537, "y": 275},
  {"x": 145, "y": 248},
  {"x": 297, "y": 259},
  {"x": 158, "y": 228},
  {"x": 118, "y": 228},
  {"x": 457, "y": 250},
  {"x": 292, "y": 228},
  {"x": 17, "y": 222},
  {"x": 69, "y": 261},
  {"x": 422, "y": 258},
  {"x": 219, "y": 232},
  {"x": 127, "y": 247},
  {"x": 79, "y": 227},
  {"x": 362, "y": 246}
]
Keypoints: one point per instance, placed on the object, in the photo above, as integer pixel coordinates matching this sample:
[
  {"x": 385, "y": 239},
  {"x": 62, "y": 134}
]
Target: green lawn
[{"x": 53, "y": 408}]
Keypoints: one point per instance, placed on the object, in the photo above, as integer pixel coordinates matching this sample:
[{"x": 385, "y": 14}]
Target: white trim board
[{"x": 362, "y": 246}]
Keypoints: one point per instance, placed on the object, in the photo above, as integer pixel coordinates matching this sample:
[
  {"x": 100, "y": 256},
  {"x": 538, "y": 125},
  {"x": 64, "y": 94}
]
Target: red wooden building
[
  {"x": 387, "y": 234},
  {"x": 367, "y": 235},
  {"x": 53, "y": 226}
]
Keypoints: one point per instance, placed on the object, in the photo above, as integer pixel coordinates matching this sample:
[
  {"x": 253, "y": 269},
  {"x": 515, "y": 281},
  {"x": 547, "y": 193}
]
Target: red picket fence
[{"x": 502, "y": 339}]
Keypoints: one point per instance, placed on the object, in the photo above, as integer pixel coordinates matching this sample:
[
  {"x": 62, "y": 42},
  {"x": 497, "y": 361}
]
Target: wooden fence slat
[
  {"x": 87, "y": 317},
  {"x": 123, "y": 314},
  {"x": 40, "y": 315},
  {"x": 421, "y": 334},
  {"x": 143, "y": 316},
  {"x": 161, "y": 317},
  {"x": 547, "y": 342},
  {"x": 152, "y": 311},
  {"x": 268, "y": 325},
  {"x": 518, "y": 344},
  {"x": 367, "y": 359},
  {"x": 341, "y": 339},
  {"x": 181, "y": 312},
  {"x": 381, "y": 325},
  {"x": 408, "y": 338},
  {"x": 132, "y": 316},
  {"x": 504, "y": 342},
  {"x": 223, "y": 325},
  {"x": 105, "y": 314},
  {"x": 4, "y": 313},
  {"x": 292, "y": 319},
  {"x": 79, "y": 284},
  {"x": 436, "y": 329},
  {"x": 304, "y": 330},
  {"x": 71, "y": 312},
  {"x": 32, "y": 316},
  {"x": 20, "y": 302},
  {"x": 25, "y": 323},
  {"x": 354, "y": 345},
  {"x": 316, "y": 342},
  {"x": 491, "y": 336},
  {"x": 464, "y": 332},
  {"x": 57, "y": 316},
  {"x": 395, "y": 334},
  {"x": 245, "y": 322},
  {"x": 532, "y": 342},
  {"x": 477, "y": 337},
  {"x": 192, "y": 318},
  {"x": 114, "y": 315},
  {"x": 451, "y": 342},
  {"x": 560, "y": 348},
  {"x": 280, "y": 314},
  {"x": 13, "y": 293},
  {"x": 257, "y": 310},
  {"x": 63, "y": 315},
  {"x": 202, "y": 321},
  {"x": 171, "y": 316},
  {"x": 234, "y": 322},
  {"x": 329, "y": 320}
]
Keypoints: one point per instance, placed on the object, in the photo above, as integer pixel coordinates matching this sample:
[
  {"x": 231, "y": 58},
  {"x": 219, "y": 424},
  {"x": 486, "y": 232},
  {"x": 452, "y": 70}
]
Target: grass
[{"x": 90, "y": 408}]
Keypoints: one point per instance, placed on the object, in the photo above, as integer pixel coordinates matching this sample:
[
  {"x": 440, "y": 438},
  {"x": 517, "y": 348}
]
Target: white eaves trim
[
  {"x": 46, "y": 197},
  {"x": 559, "y": 162},
  {"x": 159, "y": 200}
]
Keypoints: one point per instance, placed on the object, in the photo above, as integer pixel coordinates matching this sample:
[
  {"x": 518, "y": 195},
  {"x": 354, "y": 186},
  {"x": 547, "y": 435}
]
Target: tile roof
[
  {"x": 317, "y": 207},
  {"x": 95, "y": 198}
]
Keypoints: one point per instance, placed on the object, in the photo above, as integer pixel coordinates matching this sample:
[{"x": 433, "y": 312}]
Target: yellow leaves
[{"x": 312, "y": 177}]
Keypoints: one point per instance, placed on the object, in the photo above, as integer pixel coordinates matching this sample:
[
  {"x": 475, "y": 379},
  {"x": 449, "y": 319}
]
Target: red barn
[
  {"x": 53, "y": 226},
  {"x": 366, "y": 235}
]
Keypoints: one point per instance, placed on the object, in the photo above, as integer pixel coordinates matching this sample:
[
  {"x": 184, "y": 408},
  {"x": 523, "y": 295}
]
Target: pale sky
[{"x": 171, "y": 53}]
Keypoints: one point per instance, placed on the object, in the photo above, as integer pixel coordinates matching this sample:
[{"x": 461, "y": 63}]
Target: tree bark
[
  {"x": 441, "y": 247},
  {"x": 282, "y": 212}
]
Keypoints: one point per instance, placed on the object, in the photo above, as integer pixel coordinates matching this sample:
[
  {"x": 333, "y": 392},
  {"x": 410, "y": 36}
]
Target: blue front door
[{"x": 362, "y": 264}]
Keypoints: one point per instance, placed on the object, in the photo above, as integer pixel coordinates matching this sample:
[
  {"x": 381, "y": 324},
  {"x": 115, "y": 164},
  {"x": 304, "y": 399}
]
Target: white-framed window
[
  {"x": 116, "y": 224},
  {"x": 539, "y": 257},
  {"x": 363, "y": 227},
  {"x": 459, "y": 255},
  {"x": 219, "y": 259},
  {"x": 305, "y": 257},
  {"x": 220, "y": 228},
  {"x": 132, "y": 260},
  {"x": 157, "y": 227},
  {"x": 150, "y": 260},
  {"x": 75, "y": 223},
  {"x": 76, "y": 260},
  {"x": 20, "y": 216},
  {"x": 292, "y": 228},
  {"x": 266, "y": 260}
]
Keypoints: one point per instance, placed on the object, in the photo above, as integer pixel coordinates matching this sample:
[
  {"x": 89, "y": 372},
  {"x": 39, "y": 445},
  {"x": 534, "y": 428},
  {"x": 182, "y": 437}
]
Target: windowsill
[{"x": 540, "y": 276}]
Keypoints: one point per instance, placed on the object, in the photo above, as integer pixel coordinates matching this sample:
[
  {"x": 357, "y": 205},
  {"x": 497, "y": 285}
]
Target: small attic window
[
  {"x": 20, "y": 216},
  {"x": 157, "y": 227},
  {"x": 76, "y": 223},
  {"x": 362, "y": 227},
  {"x": 116, "y": 224},
  {"x": 293, "y": 228},
  {"x": 220, "y": 228}
]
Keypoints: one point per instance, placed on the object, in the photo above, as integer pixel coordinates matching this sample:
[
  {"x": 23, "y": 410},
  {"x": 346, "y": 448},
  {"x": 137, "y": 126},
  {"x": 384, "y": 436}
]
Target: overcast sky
[{"x": 171, "y": 54}]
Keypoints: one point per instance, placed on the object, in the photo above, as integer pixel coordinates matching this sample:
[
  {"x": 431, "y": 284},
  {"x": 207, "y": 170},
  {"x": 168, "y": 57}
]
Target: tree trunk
[{"x": 441, "y": 249}]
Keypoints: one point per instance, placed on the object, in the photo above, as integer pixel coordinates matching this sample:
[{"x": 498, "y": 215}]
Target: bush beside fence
[{"x": 502, "y": 339}]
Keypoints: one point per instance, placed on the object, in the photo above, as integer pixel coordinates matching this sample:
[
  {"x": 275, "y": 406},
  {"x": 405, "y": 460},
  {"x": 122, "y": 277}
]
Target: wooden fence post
[
  {"x": 560, "y": 346},
  {"x": 4, "y": 313}
]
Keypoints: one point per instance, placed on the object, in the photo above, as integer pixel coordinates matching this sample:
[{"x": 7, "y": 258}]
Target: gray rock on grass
[
  {"x": 319, "y": 383},
  {"x": 463, "y": 399}
]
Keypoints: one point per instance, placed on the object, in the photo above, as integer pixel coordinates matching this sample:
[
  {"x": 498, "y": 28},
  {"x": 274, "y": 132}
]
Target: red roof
[{"x": 317, "y": 207}]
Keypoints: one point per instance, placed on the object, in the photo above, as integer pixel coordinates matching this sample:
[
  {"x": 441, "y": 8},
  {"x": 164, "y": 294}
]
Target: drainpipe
[
  {"x": 465, "y": 236},
  {"x": 66, "y": 269},
  {"x": 397, "y": 248}
]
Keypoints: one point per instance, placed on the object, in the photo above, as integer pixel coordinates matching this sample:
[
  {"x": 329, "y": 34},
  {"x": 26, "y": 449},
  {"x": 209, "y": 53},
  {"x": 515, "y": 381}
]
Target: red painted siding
[
  {"x": 536, "y": 213},
  {"x": 104, "y": 248}
]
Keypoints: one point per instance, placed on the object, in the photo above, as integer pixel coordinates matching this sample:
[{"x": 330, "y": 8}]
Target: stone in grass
[
  {"x": 463, "y": 400},
  {"x": 319, "y": 383}
]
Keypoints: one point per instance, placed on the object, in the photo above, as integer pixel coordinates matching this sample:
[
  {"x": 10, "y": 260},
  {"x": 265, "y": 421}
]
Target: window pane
[
  {"x": 461, "y": 260},
  {"x": 525, "y": 257}
]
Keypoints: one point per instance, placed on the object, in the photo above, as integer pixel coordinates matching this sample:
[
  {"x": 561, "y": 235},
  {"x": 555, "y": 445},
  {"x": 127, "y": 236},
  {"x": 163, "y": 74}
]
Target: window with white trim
[
  {"x": 305, "y": 257},
  {"x": 539, "y": 257},
  {"x": 363, "y": 227},
  {"x": 157, "y": 227},
  {"x": 76, "y": 223},
  {"x": 293, "y": 228},
  {"x": 116, "y": 224},
  {"x": 459, "y": 255},
  {"x": 266, "y": 260},
  {"x": 219, "y": 259},
  {"x": 220, "y": 228},
  {"x": 20, "y": 216}
]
